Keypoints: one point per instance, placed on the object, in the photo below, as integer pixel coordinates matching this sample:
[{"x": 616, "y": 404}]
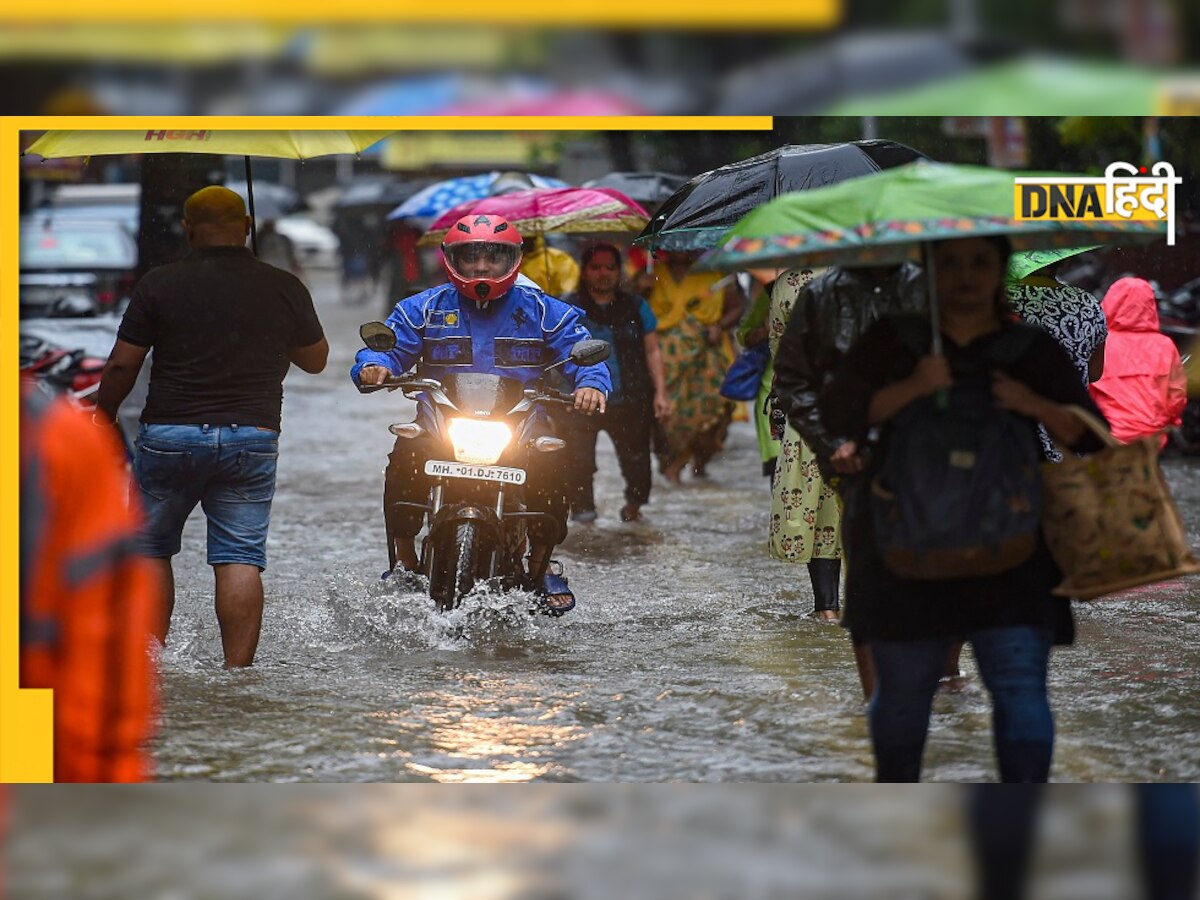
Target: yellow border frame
[
  {"x": 26, "y": 743},
  {"x": 400, "y": 123},
  {"x": 25, "y": 716},
  {"x": 814, "y": 14}
]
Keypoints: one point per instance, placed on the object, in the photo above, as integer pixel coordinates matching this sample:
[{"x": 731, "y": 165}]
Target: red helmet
[{"x": 482, "y": 254}]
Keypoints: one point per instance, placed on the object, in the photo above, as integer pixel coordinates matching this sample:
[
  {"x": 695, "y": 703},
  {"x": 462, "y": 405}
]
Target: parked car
[
  {"x": 316, "y": 246},
  {"x": 74, "y": 267},
  {"x": 124, "y": 214},
  {"x": 119, "y": 202}
]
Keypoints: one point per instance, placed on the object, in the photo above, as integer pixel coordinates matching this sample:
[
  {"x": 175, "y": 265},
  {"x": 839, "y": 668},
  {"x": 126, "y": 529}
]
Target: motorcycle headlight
[{"x": 478, "y": 442}]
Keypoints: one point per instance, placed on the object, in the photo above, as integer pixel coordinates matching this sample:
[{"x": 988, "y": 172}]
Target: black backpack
[{"x": 958, "y": 492}]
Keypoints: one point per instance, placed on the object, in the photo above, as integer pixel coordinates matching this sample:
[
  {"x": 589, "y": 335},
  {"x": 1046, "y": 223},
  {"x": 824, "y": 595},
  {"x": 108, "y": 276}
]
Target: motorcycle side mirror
[
  {"x": 590, "y": 352},
  {"x": 377, "y": 336}
]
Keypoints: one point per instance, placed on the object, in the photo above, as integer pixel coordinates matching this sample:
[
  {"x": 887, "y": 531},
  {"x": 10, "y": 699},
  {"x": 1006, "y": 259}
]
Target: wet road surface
[{"x": 690, "y": 656}]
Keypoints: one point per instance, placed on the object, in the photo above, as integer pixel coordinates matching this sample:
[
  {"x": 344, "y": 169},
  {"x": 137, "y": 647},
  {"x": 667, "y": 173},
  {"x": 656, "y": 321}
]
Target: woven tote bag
[{"x": 1109, "y": 520}]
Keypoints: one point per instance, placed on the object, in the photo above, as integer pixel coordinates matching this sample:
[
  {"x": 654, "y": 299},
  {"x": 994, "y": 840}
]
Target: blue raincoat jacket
[{"x": 515, "y": 336}]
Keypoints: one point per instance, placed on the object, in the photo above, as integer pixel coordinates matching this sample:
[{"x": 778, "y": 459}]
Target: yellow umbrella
[{"x": 277, "y": 144}]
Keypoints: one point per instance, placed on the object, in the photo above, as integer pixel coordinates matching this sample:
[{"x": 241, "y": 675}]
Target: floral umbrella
[
  {"x": 546, "y": 210},
  {"x": 434, "y": 200}
]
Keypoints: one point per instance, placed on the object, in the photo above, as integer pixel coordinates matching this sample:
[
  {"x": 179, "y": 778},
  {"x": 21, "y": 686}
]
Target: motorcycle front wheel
[{"x": 456, "y": 578}]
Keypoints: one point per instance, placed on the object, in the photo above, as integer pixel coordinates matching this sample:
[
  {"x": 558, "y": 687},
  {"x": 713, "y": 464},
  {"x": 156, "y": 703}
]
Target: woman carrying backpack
[{"x": 1000, "y": 377}]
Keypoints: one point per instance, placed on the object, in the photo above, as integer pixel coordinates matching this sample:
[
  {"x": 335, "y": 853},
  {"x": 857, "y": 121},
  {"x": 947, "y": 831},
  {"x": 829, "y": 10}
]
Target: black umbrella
[
  {"x": 699, "y": 213},
  {"x": 644, "y": 187}
]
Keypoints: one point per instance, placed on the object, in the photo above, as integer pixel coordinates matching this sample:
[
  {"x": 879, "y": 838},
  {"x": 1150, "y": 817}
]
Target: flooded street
[
  {"x": 414, "y": 842},
  {"x": 689, "y": 658}
]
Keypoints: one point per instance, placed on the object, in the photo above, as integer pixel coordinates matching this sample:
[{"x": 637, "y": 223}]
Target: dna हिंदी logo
[{"x": 1125, "y": 192}]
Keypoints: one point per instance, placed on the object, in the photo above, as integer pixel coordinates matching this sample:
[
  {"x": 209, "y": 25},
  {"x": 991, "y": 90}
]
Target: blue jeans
[
  {"x": 228, "y": 469},
  {"x": 1003, "y": 824},
  {"x": 1013, "y": 662}
]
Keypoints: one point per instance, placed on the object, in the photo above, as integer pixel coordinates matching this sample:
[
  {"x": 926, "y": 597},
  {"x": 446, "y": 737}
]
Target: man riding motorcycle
[{"x": 482, "y": 320}]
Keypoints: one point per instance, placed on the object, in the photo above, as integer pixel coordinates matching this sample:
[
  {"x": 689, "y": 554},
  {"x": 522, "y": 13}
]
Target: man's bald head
[{"x": 215, "y": 215}]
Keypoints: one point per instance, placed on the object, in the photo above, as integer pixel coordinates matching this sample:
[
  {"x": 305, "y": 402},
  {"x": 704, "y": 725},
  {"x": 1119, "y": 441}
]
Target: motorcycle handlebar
[
  {"x": 544, "y": 394},
  {"x": 407, "y": 382}
]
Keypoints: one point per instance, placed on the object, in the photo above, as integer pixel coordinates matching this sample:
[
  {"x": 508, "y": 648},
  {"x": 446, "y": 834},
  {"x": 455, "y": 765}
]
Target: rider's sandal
[{"x": 554, "y": 585}]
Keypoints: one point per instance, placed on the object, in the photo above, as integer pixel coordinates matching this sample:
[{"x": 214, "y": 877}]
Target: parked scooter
[{"x": 479, "y": 427}]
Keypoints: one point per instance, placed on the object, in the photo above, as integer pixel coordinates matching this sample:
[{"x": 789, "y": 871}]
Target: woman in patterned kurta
[
  {"x": 1073, "y": 317},
  {"x": 806, "y": 516},
  {"x": 693, "y": 315}
]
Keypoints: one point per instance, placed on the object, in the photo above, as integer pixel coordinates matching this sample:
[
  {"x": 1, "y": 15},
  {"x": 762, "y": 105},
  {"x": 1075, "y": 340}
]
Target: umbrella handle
[
  {"x": 250, "y": 203},
  {"x": 941, "y": 397},
  {"x": 935, "y": 318}
]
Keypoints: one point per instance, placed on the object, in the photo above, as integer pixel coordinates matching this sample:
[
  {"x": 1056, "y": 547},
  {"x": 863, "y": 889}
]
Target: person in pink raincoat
[{"x": 1144, "y": 387}]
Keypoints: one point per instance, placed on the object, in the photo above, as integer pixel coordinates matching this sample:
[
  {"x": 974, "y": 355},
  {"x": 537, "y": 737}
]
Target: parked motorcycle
[
  {"x": 71, "y": 372},
  {"x": 1179, "y": 319},
  {"x": 481, "y": 426},
  {"x": 1179, "y": 315}
]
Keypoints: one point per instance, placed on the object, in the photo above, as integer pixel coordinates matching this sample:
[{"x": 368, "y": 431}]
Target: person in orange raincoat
[
  {"x": 1144, "y": 387},
  {"x": 88, "y": 606}
]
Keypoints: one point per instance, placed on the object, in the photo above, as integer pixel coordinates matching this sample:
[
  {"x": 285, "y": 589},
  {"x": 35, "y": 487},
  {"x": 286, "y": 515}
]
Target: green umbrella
[
  {"x": 1028, "y": 262},
  {"x": 894, "y": 217},
  {"x": 1034, "y": 86},
  {"x": 886, "y": 219}
]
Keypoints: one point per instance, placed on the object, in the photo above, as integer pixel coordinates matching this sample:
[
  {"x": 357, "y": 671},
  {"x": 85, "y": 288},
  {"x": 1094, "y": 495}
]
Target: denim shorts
[{"x": 228, "y": 469}]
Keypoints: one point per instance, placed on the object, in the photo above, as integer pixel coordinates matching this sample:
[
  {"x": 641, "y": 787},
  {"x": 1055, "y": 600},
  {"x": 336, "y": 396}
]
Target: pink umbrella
[
  {"x": 544, "y": 210},
  {"x": 567, "y": 103}
]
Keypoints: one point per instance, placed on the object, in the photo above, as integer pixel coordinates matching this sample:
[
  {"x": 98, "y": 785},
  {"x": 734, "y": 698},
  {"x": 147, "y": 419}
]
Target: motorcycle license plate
[{"x": 443, "y": 469}]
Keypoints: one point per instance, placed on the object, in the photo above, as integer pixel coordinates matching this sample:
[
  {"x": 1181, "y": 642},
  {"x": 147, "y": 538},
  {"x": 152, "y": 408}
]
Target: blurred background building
[{"x": 389, "y": 67}]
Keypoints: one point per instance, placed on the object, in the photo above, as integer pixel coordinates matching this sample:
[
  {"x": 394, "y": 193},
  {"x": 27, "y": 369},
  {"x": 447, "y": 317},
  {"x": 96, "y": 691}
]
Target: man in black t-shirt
[{"x": 225, "y": 328}]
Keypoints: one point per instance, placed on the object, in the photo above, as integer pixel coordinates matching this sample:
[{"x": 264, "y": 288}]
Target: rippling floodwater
[
  {"x": 658, "y": 842},
  {"x": 689, "y": 657}
]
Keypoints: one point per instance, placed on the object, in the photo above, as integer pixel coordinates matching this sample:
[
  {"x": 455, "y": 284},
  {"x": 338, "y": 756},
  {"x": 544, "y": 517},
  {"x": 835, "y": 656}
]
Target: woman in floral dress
[
  {"x": 694, "y": 314},
  {"x": 806, "y": 516}
]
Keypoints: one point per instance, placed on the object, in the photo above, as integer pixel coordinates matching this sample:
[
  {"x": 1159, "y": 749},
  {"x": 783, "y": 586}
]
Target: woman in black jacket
[
  {"x": 639, "y": 388},
  {"x": 1011, "y": 618}
]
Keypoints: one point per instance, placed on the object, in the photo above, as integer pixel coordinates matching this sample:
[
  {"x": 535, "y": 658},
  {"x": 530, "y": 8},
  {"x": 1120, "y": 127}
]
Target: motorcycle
[{"x": 481, "y": 425}]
